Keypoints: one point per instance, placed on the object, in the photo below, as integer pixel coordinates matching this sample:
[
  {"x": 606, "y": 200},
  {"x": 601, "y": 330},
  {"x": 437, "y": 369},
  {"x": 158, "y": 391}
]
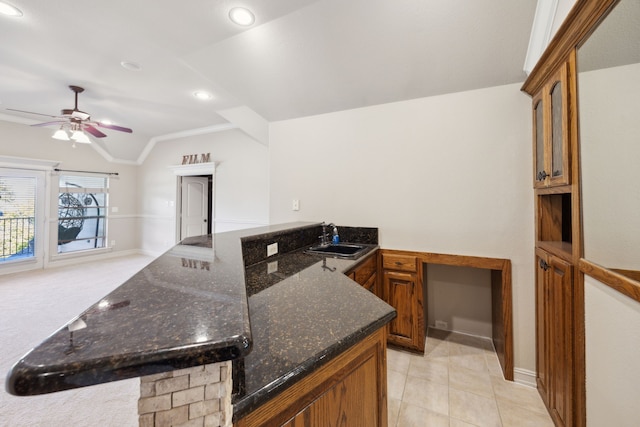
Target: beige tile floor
[{"x": 458, "y": 383}]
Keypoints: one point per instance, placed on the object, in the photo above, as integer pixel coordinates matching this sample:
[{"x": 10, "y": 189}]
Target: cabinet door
[
  {"x": 551, "y": 132},
  {"x": 365, "y": 274},
  {"x": 403, "y": 293},
  {"x": 561, "y": 352},
  {"x": 543, "y": 324},
  {"x": 353, "y": 401},
  {"x": 554, "y": 336}
]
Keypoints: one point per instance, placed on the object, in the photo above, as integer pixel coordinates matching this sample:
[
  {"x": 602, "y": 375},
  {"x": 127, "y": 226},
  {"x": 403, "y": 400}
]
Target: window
[
  {"x": 82, "y": 213},
  {"x": 17, "y": 216}
]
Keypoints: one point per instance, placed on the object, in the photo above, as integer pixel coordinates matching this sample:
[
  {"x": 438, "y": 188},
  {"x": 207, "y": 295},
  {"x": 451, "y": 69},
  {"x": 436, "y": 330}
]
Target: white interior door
[{"x": 195, "y": 203}]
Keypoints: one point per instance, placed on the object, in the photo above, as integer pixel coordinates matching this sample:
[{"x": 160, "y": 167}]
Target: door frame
[
  {"x": 198, "y": 169},
  {"x": 42, "y": 170}
]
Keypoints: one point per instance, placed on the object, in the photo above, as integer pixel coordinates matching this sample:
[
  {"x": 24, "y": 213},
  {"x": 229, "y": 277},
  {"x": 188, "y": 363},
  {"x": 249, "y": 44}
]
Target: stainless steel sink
[{"x": 339, "y": 250}]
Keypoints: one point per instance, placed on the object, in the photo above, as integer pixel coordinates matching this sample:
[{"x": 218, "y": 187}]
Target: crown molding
[
  {"x": 540, "y": 32},
  {"x": 183, "y": 134}
]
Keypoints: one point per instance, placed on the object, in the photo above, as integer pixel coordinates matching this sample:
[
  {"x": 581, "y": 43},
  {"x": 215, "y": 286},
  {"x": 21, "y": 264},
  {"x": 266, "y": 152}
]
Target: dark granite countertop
[
  {"x": 301, "y": 322},
  {"x": 192, "y": 306}
]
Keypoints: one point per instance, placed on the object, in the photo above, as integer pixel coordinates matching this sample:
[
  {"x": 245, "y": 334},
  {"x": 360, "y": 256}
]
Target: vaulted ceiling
[{"x": 299, "y": 58}]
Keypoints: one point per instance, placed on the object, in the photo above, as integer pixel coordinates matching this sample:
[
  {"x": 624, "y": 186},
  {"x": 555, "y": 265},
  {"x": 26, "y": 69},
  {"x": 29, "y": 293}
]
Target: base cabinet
[
  {"x": 350, "y": 390},
  {"x": 366, "y": 274},
  {"x": 402, "y": 289},
  {"x": 554, "y": 336},
  {"x": 337, "y": 406}
]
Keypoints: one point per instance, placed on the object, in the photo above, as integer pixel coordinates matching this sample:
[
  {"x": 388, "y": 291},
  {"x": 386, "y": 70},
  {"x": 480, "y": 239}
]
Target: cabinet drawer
[{"x": 399, "y": 262}]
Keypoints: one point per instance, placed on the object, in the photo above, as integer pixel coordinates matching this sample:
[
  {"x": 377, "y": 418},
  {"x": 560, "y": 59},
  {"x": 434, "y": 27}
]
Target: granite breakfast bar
[{"x": 217, "y": 304}]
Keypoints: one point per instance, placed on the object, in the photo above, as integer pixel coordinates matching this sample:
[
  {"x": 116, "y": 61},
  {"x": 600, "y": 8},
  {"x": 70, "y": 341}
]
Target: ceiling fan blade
[
  {"x": 49, "y": 123},
  {"x": 31, "y": 112},
  {"x": 114, "y": 127},
  {"x": 93, "y": 131}
]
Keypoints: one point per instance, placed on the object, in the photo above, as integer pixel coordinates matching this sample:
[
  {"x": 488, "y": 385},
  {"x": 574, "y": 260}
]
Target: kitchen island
[{"x": 282, "y": 320}]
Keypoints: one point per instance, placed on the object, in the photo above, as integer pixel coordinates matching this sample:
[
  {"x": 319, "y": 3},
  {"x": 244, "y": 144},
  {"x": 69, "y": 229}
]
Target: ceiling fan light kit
[
  {"x": 79, "y": 136},
  {"x": 77, "y": 122},
  {"x": 60, "y": 134}
]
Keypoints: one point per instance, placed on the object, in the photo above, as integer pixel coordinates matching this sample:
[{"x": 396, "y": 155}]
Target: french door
[{"x": 22, "y": 223}]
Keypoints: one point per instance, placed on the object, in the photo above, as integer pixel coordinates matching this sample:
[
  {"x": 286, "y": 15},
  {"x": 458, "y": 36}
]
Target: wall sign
[{"x": 192, "y": 159}]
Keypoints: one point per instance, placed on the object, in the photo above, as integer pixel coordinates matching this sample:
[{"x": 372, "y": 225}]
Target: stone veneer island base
[{"x": 192, "y": 397}]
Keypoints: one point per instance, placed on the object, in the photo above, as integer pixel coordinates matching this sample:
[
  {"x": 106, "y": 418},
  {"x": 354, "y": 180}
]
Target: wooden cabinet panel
[
  {"x": 561, "y": 282},
  {"x": 543, "y": 333},
  {"x": 350, "y": 390},
  {"x": 337, "y": 407},
  {"x": 400, "y": 289},
  {"x": 554, "y": 336},
  {"x": 366, "y": 274},
  {"x": 371, "y": 284},
  {"x": 403, "y": 291}
]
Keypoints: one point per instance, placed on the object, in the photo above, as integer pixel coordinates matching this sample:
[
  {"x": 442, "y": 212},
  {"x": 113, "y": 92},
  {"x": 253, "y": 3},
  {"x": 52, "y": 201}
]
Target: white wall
[
  {"x": 448, "y": 174},
  {"x": 18, "y": 140},
  {"x": 609, "y": 129},
  {"x": 460, "y": 296},
  {"x": 241, "y": 185},
  {"x": 612, "y": 331}
]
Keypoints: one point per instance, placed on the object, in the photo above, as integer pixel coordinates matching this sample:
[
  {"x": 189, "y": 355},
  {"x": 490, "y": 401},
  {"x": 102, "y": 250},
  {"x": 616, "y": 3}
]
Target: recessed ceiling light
[
  {"x": 200, "y": 94},
  {"x": 9, "y": 10},
  {"x": 131, "y": 66},
  {"x": 242, "y": 16}
]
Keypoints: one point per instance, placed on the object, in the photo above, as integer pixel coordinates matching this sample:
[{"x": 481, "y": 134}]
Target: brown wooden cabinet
[
  {"x": 551, "y": 132},
  {"x": 559, "y": 298},
  {"x": 349, "y": 390},
  {"x": 554, "y": 336},
  {"x": 366, "y": 274},
  {"x": 402, "y": 289}
]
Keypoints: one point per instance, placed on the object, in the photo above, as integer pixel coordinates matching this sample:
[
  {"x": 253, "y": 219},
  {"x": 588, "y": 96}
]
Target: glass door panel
[
  {"x": 21, "y": 194},
  {"x": 557, "y": 141}
]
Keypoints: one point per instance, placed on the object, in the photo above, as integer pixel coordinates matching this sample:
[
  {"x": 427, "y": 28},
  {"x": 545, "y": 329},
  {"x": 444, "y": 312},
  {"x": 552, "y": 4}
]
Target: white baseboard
[
  {"x": 61, "y": 262},
  {"x": 148, "y": 252},
  {"x": 524, "y": 377}
]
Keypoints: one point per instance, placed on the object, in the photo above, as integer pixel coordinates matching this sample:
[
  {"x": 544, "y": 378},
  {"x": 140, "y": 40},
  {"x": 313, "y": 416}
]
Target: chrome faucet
[{"x": 324, "y": 237}]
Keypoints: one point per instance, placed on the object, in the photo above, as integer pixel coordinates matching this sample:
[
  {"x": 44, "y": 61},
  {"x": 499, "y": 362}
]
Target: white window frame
[
  {"x": 55, "y": 255},
  {"x": 41, "y": 169}
]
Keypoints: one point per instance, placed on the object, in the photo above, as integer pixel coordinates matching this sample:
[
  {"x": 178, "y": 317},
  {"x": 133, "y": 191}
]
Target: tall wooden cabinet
[
  {"x": 560, "y": 350},
  {"x": 558, "y": 246}
]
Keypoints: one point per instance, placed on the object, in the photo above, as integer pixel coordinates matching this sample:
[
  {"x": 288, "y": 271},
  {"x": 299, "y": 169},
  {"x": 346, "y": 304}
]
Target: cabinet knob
[
  {"x": 544, "y": 265},
  {"x": 542, "y": 175}
]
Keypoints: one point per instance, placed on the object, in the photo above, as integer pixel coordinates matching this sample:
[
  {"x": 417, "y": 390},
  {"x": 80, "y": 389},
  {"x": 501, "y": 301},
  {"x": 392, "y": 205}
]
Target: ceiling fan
[{"x": 76, "y": 120}]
